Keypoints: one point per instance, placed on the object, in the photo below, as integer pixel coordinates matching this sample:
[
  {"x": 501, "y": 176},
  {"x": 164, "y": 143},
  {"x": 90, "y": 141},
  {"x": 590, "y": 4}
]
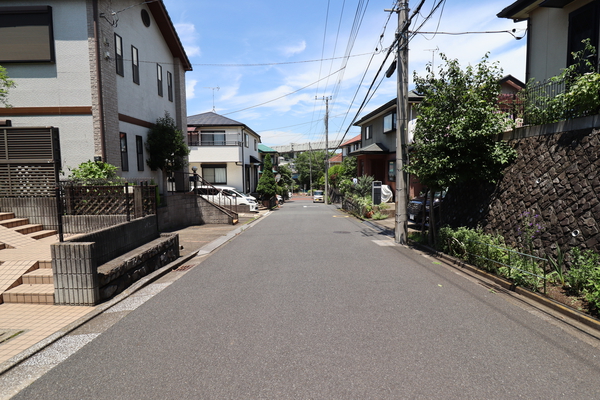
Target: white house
[
  {"x": 555, "y": 29},
  {"x": 224, "y": 151},
  {"x": 102, "y": 71}
]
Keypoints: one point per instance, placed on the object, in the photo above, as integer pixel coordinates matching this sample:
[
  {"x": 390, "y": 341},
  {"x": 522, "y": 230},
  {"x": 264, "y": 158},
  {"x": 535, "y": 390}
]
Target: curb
[
  {"x": 146, "y": 280},
  {"x": 578, "y": 316}
]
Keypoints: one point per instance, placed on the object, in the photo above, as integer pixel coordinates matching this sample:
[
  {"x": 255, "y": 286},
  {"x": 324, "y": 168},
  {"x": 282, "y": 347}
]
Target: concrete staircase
[{"x": 25, "y": 264}]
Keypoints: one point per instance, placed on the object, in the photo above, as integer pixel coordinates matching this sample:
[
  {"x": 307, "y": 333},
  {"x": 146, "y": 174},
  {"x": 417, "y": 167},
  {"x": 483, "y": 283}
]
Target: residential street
[{"x": 310, "y": 303}]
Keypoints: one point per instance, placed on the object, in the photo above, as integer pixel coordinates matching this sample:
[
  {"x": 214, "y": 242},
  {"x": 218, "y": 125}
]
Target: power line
[{"x": 285, "y": 95}]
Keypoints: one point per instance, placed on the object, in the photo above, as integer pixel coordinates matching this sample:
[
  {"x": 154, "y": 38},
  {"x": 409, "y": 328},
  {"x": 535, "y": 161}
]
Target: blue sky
[{"x": 271, "y": 59}]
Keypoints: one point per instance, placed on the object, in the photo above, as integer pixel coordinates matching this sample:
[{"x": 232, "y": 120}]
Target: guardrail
[{"x": 512, "y": 257}]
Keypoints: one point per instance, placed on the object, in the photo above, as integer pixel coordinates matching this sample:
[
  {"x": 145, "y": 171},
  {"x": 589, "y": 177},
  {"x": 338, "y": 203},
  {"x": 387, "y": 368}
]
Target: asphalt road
[{"x": 311, "y": 304}]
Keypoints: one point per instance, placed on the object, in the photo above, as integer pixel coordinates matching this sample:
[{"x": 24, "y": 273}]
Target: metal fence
[
  {"x": 491, "y": 258},
  {"x": 88, "y": 206}
]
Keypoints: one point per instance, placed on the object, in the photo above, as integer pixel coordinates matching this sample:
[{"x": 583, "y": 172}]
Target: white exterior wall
[
  {"x": 142, "y": 101},
  {"x": 65, "y": 83},
  {"x": 229, "y": 155},
  {"x": 548, "y": 40}
]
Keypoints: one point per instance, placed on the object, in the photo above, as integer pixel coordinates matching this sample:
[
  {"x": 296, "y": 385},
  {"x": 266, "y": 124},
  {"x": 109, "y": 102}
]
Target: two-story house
[
  {"x": 224, "y": 151},
  {"x": 377, "y": 153},
  {"x": 102, "y": 71},
  {"x": 350, "y": 145},
  {"x": 555, "y": 29}
]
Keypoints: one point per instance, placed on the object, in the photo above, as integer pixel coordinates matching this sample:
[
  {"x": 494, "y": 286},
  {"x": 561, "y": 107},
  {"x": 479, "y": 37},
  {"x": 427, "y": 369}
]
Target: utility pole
[
  {"x": 326, "y": 98},
  {"x": 401, "y": 231},
  {"x": 310, "y": 167}
]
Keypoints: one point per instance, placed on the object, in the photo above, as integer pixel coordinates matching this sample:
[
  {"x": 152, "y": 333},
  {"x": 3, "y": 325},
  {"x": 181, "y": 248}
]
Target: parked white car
[{"x": 225, "y": 195}]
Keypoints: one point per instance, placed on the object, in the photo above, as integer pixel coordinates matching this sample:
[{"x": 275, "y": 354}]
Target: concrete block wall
[
  {"x": 185, "y": 209},
  {"x": 119, "y": 239}
]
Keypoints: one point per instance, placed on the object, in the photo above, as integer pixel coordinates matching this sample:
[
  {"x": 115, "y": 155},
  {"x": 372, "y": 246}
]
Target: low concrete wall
[
  {"x": 75, "y": 262},
  {"x": 119, "y": 239},
  {"x": 185, "y": 209}
]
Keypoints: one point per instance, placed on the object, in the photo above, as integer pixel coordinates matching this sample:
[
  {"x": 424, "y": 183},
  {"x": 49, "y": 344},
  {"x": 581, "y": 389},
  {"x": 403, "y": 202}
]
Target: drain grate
[
  {"x": 342, "y": 232},
  {"x": 184, "y": 267},
  {"x": 8, "y": 334}
]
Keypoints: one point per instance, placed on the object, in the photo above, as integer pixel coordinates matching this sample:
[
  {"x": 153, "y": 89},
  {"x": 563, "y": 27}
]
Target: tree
[
  {"x": 5, "y": 84},
  {"x": 267, "y": 186},
  {"x": 286, "y": 183},
  {"x": 310, "y": 161},
  {"x": 166, "y": 147},
  {"x": 457, "y": 125}
]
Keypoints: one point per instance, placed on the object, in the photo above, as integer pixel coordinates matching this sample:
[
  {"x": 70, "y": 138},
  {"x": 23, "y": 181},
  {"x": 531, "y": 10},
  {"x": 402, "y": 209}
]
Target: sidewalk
[{"x": 27, "y": 328}]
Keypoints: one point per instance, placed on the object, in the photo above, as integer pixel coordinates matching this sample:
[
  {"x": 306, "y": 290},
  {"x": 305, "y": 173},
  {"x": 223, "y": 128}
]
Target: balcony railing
[{"x": 194, "y": 141}]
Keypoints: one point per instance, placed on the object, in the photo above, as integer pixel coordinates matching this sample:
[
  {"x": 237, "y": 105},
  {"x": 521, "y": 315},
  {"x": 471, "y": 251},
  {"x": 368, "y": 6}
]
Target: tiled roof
[
  {"x": 265, "y": 149},
  {"x": 211, "y": 119},
  {"x": 355, "y": 139}
]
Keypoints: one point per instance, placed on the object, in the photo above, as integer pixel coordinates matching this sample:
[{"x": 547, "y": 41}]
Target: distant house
[
  {"x": 224, "y": 151},
  {"x": 555, "y": 29},
  {"x": 263, "y": 150},
  {"x": 101, "y": 71},
  {"x": 350, "y": 145}
]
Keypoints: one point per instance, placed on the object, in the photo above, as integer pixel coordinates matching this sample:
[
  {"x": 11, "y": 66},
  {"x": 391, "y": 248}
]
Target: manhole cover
[
  {"x": 343, "y": 232},
  {"x": 7, "y": 334}
]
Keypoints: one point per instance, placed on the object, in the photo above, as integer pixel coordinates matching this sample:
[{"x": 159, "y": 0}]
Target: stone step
[
  {"x": 13, "y": 222},
  {"x": 6, "y": 215},
  {"x": 28, "y": 228},
  {"x": 42, "y": 234},
  {"x": 30, "y": 294},
  {"x": 41, "y": 276}
]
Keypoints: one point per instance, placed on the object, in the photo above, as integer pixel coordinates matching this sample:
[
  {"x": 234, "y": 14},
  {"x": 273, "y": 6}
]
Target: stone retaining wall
[
  {"x": 117, "y": 275},
  {"x": 555, "y": 179}
]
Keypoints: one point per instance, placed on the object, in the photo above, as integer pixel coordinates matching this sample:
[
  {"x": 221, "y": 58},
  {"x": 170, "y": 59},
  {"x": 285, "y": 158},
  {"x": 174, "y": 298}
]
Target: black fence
[
  {"x": 81, "y": 207},
  {"x": 89, "y": 206},
  {"x": 546, "y": 102}
]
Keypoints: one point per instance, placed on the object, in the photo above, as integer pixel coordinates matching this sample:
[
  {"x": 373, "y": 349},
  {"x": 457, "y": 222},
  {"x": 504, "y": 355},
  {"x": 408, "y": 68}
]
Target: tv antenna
[
  {"x": 213, "y": 96},
  {"x": 433, "y": 57}
]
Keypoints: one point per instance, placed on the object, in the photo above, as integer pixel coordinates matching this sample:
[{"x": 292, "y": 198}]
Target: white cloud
[
  {"x": 190, "y": 88},
  {"x": 188, "y": 35},
  {"x": 294, "y": 49}
]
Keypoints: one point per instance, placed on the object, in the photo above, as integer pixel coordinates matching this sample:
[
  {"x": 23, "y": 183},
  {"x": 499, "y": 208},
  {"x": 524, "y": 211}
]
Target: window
[
  {"x": 119, "y": 55},
  {"x": 26, "y": 34},
  {"x": 170, "y": 85},
  {"x": 139, "y": 149},
  {"x": 135, "y": 65},
  {"x": 389, "y": 122},
  {"x": 159, "y": 80},
  {"x": 193, "y": 138},
  {"x": 215, "y": 174},
  {"x": 124, "y": 156},
  {"x": 246, "y": 139},
  {"x": 212, "y": 138},
  {"x": 583, "y": 24},
  {"x": 368, "y": 132},
  {"x": 392, "y": 171},
  {"x": 255, "y": 145}
]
